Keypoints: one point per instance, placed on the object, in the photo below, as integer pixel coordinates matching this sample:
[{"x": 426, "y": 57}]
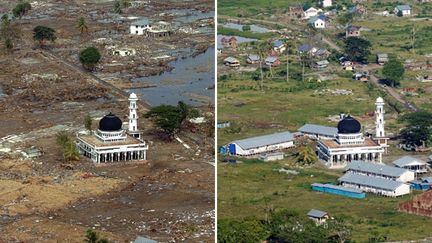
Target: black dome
[
  {"x": 110, "y": 123},
  {"x": 349, "y": 125}
]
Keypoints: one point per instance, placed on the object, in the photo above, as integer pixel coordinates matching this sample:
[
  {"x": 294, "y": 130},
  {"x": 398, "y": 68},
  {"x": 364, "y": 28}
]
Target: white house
[
  {"x": 375, "y": 185},
  {"x": 318, "y": 216},
  {"x": 311, "y": 12},
  {"x": 140, "y": 26},
  {"x": 326, "y": 3},
  {"x": 261, "y": 144},
  {"x": 418, "y": 166},
  {"x": 279, "y": 46},
  {"x": 402, "y": 10},
  {"x": 318, "y": 22}
]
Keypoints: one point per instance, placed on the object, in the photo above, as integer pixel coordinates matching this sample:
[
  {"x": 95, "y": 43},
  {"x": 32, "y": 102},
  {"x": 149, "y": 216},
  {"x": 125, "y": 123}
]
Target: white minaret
[
  {"x": 133, "y": 115},
  {"x": 379, "y": 115}
]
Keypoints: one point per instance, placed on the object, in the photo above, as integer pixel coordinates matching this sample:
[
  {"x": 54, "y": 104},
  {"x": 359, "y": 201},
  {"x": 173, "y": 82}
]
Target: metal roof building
[
  {"x": 380, "y": 170},
  {"x": 262, "y": 144},
  {"x": 316, "y": 213},
  {"x": 338, "y": 190},
  {"x": 318, "y": 131},
  {"x": 412, "y": 164},
  {"x": 375, "y": 185},
  {"x": 141, "y": 239}
]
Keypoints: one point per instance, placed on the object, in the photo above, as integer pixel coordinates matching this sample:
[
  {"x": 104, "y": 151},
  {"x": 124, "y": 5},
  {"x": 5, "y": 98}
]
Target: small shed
[
  {"x": 272, "y": 61},
  {"x": 318, "y": 216},
  {"x": 410, "y": 163},
  {"x": 271, "y": 157},
  {"x": 231, "y": 62},
  {"x": 382, "y": 58},
  {"x": 253, "y": 59}
]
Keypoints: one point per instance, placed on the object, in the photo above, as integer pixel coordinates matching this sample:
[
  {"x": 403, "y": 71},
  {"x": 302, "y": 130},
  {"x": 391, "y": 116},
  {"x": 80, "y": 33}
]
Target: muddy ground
[{"x": 169, "y": 198}]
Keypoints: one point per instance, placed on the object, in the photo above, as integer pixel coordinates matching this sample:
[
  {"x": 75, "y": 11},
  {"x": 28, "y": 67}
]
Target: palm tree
[
  {"x": 82, "y": 25},
  {"x": 70, "y": 152},
  {"x": 117, "y": 7},
  {"x": 306, "y": 155}
]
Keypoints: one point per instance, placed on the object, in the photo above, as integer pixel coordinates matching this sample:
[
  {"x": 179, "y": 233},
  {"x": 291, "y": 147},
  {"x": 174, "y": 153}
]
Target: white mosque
[
  {"x": 111, "y": 143},
  {"x": 350, "y": 144}
]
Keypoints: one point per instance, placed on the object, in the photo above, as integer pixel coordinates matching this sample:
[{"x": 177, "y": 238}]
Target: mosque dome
[
  {"x": 110, "y": 123},
  {"x": 349, "y": 125}
]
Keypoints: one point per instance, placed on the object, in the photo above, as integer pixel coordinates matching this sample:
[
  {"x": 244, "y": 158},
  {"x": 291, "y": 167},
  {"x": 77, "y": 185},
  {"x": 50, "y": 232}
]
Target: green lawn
[
  {"x": 247, "y": 189},
  {"x": 275, "y": 109}
]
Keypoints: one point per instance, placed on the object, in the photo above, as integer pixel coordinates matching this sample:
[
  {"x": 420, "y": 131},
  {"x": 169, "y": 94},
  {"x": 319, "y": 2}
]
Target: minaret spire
[
  {"x": 379, "y": 116},
  {"x": 133, "y": 115}
]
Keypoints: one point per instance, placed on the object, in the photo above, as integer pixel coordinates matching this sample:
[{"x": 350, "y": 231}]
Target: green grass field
[
  {"x": 261, "y": 112},
  {"x": 247, "y": 189}
]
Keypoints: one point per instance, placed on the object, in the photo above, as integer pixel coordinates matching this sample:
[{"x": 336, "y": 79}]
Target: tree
[
  {"x": 393, "y": 71},
  {"x": 241, "y": 231},
  {"x": 246, "y": 28},
  {"x": 346, "y": 18},
  {"x": 70, "y": 152},
  {"x": 88, "y": 122},
  {"x": 82, "y": 25},
  {"x": 92, "y": 237},
  {"x": 43, "y": 33},
  {"x": 306, "y": 155},
  {"x": 418, "y": 130},
  {"x": 170, "y": 118},
  {"x": 357, "y": 49},
  {"x": 338, "y": 230},
  {"x": 289, "y": 226},
  {"x": 7, "y": 33},
  {"x": 62, "y": 138},
  {"x": 117, "y": 7},
  {"x": 8, "y": 43},
  {"x": 21, "y": 9},
  {"x": 89, "y": 57}
]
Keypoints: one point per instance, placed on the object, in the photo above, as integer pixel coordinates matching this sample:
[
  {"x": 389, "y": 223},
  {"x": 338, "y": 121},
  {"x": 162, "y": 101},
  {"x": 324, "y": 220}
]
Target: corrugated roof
[
  {"x": 315, "y": 18},
  {"x": 265, "y": 140},
  {"x": 230, "y": 59},
  {"x": 278, "y": 43},
  {"x": 254, "y": 57},
  {"x": 337, "y": 187},
  {"x": 316, "y": 213},
  {"x": 271, "y": 59},
  {"x": 141, "y": 239},
  {"x": 142, "y": 21},
  {"x": 408, "y": 160},
  {"x": 403, "y": 7},
  {"x": 380, "y": 169},
  {"x": 318, "y": 129},
  {"x": 370, "y": 181}
]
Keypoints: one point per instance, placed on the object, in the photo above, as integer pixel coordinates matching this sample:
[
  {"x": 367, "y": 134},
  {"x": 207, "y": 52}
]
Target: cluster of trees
[
  {"x": 70, "y": 151},
  {"x": 306, "y": 155},
  {"x": 21, "y": 9},
  {"x": 282, "y": 226},
  {"x": 357, "y": 49},
  {"x": 418, "y": 130},
  {"x": 393, "y": 72},
  {"x": 171, "y": 119},
  {"x": 89, "y": 57}
]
